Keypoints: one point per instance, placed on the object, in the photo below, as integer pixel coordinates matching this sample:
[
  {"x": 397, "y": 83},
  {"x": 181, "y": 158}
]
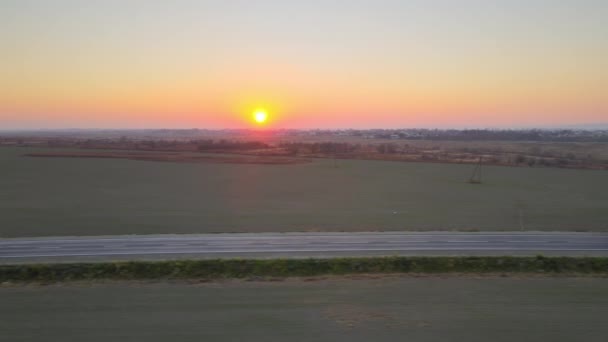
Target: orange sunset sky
[{"x": 309, "y": 64}]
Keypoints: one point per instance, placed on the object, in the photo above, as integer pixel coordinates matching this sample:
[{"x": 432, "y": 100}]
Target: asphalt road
[{"x": 301, "y": 245}]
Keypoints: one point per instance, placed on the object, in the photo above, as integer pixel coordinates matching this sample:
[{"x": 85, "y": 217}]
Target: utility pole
[{"x": 476, "y": 176}]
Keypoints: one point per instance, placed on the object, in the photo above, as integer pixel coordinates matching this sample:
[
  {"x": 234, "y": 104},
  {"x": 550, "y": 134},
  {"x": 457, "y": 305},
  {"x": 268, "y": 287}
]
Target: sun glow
[{"x": 260, "y": 116}]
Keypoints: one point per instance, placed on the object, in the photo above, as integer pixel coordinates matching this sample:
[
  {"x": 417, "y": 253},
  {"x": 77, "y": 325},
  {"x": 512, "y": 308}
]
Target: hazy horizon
[
  {"x": 590, "y": 127},
  {"x": 339, "y": 64}
]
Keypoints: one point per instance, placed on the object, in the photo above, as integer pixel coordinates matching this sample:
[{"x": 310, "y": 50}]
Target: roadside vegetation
[{"x": 247, "y": 268}]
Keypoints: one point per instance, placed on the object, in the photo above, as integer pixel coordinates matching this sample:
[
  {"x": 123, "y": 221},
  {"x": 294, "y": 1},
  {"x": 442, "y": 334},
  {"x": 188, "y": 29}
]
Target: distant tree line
[
  {"x": 178, "y": 145},
  {"x": 562, "y": 135},
  {"x": 229, "y": 145},
  {"x": 319, "y": 148}
]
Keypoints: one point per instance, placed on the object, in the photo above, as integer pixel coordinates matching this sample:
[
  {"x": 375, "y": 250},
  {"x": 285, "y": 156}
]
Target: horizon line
[{"x": 590, "y": 126}]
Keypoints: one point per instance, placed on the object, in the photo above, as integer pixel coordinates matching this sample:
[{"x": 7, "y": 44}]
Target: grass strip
[{"x": 243, "y": 268}]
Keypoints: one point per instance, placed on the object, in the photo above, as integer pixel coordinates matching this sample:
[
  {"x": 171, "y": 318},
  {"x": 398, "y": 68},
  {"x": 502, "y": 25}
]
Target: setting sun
[{"x": 260, "y": 116}]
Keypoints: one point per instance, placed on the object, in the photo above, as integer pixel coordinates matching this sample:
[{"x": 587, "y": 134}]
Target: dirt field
[
  {"x": 537, "y": 154},
  {"x": 383, "y": 309},
  {"x": 174, "y": 157},
  {"x": 105, "y": 196}
]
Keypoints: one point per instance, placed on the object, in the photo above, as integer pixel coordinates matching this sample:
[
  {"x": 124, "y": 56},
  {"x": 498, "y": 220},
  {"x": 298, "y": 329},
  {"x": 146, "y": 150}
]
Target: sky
[{"x": 309, "y": 64}]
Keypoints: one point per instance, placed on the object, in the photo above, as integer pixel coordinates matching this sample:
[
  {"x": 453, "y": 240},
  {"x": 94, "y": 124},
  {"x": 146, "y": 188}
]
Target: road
[{"x": 301, "y": 245}]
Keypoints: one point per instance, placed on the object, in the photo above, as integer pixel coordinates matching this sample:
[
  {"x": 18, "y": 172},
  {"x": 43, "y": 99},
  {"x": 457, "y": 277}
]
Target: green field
[
  {"x": 70, "y": 196},
  {"x": 382, "y": 309}
]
